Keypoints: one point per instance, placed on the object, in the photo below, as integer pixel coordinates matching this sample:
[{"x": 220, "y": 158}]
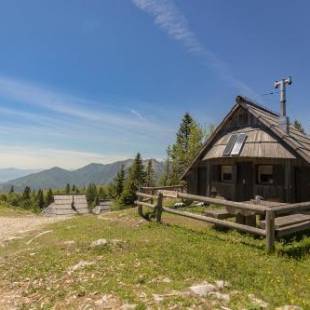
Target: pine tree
[
  {"x": 119, "y": 182},
  {"x": 195, "y": 142},
  {"x": 40, "y": 199},
  {"x": 189, "y": 140},
  {"x": 185, "y": 131},
  {"x": 102, "y": 193},
  {"x": 49, "y": 197},
  {"x": 73, "y": 188},
  {"x": 11, "y": 190},
  {"x": 96, "y": 201},
  {"x": 298, "y": 126},
  {"x": 150, "y": 174},
  {"x": 26, "y": 193},
  {"x": 67, "y": 190},
  {"x": 91, "y": 193},
  {"x": 135, "y": 179}
]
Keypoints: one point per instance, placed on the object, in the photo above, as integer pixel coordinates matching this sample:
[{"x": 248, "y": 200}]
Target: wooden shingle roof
[{"x": 259, "y": 143}]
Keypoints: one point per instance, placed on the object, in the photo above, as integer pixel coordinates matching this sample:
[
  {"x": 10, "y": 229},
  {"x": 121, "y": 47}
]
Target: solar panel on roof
[
  {"x": 238, "y": 144},
  {"x": 230, "y": 145}
]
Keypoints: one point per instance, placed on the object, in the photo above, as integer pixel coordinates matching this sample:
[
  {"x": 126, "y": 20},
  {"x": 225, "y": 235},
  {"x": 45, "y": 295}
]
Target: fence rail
[{"x": 269, "y": 212}]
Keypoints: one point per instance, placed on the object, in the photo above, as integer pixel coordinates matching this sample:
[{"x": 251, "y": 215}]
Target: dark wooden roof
[{"x": 293, "y": 144}]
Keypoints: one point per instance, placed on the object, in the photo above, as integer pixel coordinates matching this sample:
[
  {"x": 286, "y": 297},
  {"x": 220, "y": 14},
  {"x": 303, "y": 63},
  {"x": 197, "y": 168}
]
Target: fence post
[
  {"x": 140, "y": 208},
  {"x": 159, "y": 207},
  {"x": 270, "y": 231}
]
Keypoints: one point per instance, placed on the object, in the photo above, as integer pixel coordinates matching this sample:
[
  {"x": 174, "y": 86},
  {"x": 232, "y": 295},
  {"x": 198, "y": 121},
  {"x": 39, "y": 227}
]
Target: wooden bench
[{"x": 286, "y": 225}]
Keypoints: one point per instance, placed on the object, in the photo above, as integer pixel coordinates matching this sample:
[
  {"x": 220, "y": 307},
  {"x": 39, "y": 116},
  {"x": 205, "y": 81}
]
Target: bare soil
[{"x": 14, "y": 227}]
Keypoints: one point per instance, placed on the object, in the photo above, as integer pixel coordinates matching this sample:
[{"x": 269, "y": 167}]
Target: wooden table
[{"x": 248, "y": 217}]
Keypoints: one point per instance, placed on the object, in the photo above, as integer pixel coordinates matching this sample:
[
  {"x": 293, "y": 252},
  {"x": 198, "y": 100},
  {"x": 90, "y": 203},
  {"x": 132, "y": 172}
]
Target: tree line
[{"x": 189, "y": 140}]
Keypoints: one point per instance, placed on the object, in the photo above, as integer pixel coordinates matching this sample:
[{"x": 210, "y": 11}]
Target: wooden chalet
[{"x": 253, "y": 152}]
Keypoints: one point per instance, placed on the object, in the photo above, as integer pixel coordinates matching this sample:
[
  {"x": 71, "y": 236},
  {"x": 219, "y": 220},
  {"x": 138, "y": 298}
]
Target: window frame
[
  {"x": 260, "y": 173},
  {"x": 223, "y": 173}
]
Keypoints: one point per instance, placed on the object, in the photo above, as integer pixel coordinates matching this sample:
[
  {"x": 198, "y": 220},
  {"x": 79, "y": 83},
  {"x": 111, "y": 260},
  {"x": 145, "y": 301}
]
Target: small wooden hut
[
  {"x": 253, "y": 152},
  {"x": 67, "y": 205}
]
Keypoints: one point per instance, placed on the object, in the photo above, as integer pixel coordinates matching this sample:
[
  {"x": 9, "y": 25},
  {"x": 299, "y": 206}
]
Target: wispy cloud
[
  {"x": 137, "y": 114},
  {"x": 37, "y": 158},
  {"x": 67, "y": 105},
  {"x": 171, "y": 20}
]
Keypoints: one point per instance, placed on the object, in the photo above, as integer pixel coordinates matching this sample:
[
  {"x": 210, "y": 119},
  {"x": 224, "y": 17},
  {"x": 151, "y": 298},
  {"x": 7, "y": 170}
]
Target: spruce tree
[
  {"x": 96, "y": 201},
  {"x": 49, "y": 197},
  {"x": 91, "y": 193},
  {"x": 11, "y": 190},
  {"x": 102, "y": 193},
  {"x": 26, "y": 193},
  {"x": 68, "y": 189},
  {"x": 119, "y": 182},
  {"x": 40, "y": 199},
  {"x": 189, "y": 140},
  {"x": 135, "y": 179},
  {"x": 195, "y": 142},
  {"x": 150, "y": 174}
]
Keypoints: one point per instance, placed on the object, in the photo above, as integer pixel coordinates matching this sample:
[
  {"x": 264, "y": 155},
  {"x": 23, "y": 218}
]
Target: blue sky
[{"x": 98, "y": 81}]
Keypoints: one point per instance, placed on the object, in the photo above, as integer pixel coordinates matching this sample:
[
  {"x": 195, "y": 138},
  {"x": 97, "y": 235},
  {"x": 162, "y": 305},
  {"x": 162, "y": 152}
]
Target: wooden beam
[
  {"x": 291, "y": 207},
  {"x": 144, "y": 204},
  {"x": 270, "y": 231},
  {"x": 139, "y": 194},
  {"x": 288, "y": 230},
  {"x": 227, "y": 203},
  {"x": 249, "y": 229},
  {"x": 159, "y": 207},
  {"x": 162, "y": 187}
]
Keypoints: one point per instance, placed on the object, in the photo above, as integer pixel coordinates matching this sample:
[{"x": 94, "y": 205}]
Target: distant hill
[
  {"x": 7, "y": 174},
  {"x": 57, "y": 177}
]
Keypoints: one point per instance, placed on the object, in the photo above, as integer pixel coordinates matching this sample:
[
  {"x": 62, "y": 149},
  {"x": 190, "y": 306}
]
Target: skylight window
[{"x": 235, "y": 144}]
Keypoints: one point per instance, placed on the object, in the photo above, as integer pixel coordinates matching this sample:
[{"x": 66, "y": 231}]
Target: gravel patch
[{"x": 11, "y": 228}]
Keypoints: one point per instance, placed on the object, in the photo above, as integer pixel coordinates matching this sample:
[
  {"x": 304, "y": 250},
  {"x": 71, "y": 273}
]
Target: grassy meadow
[{"x": 146, "y": 265}]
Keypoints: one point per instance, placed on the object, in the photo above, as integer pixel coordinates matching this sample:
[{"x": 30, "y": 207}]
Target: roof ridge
[{"x": 253, "y": 103}]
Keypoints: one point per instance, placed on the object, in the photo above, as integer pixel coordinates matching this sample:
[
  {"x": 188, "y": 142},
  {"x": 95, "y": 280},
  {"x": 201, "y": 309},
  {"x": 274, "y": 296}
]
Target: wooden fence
[{"x": 155, "y": 201}]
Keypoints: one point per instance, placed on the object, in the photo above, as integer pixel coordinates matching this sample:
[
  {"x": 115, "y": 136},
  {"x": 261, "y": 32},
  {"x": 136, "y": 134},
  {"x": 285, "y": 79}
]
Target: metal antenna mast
[{"x": 282, "y": 84}]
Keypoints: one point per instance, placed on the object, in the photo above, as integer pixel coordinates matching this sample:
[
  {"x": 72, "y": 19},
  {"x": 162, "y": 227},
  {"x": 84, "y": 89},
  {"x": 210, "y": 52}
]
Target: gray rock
[
  {"x": 98, "y": 243},
  {"x": 203, "y": 289},
  {"x": 259, "y": 302},
  {"x": 221, "y": 284}
]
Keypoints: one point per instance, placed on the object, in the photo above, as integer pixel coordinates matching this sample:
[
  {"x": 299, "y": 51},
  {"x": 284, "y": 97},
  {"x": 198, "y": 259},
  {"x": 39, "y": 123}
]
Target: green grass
[
  {"x": 182, "y": 250},
  {"x": 13, "y": 211}
]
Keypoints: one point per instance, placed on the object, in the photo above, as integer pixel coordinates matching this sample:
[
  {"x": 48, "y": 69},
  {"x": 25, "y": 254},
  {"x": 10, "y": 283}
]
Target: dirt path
[{"x": 12, "y": 227}]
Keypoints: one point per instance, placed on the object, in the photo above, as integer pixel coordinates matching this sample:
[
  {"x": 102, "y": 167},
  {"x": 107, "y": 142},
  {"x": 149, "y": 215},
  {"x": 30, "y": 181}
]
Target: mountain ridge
[
  {"x": 57, "y": 177},
  {"x": 7, "y": 174}
]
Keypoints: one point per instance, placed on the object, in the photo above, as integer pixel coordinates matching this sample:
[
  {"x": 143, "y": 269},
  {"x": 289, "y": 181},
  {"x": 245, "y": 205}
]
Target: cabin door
[{"x": 244, "y": 181}]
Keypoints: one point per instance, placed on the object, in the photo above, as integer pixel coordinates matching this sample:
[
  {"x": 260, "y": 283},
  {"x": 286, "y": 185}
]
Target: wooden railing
[{"x": 155, "y": 202}]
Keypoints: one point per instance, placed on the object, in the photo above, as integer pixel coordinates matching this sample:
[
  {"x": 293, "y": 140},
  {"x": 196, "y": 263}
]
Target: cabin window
[
  {"x": 265, "y": 175},
  {"x": 226, "y": 173}
]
